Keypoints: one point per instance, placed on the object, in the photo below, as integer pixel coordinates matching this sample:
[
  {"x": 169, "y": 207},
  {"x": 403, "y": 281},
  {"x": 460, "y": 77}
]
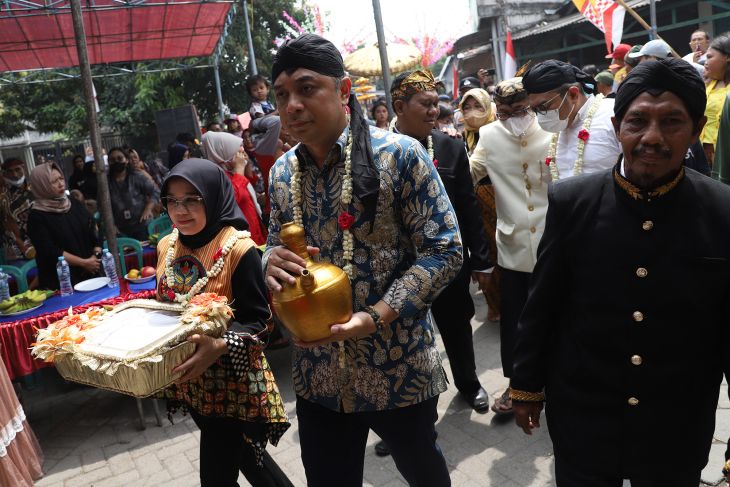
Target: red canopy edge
[{"x": 43, "y": 38}]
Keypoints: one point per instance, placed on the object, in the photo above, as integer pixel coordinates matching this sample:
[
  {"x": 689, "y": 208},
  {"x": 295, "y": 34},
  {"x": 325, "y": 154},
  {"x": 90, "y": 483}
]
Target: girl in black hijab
[{"x": 227, "y": 385}]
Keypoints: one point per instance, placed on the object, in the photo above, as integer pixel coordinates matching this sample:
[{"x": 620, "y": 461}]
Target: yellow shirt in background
[{"x": 713, "y": 110}]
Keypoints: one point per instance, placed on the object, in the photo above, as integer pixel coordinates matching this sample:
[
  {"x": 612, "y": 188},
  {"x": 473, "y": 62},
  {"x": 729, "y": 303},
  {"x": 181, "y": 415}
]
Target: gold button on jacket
[
  {"x": 633, "y": 401},
  {"x": 638, "y": 316},
  {"x": 642, "y": 272},
  {"x": 636, "y": 359}
]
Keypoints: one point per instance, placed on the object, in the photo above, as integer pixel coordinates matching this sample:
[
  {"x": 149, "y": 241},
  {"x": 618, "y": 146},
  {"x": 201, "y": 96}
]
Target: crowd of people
[{"x": 576, "y": 199}]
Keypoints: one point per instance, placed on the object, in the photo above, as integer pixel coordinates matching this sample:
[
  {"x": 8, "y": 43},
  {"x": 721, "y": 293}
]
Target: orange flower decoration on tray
[{"x": 64, "y": 334}]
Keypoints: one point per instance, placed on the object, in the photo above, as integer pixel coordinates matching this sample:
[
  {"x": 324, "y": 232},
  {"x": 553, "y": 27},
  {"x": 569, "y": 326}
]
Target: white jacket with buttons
[{"x": 516, "y": 167}]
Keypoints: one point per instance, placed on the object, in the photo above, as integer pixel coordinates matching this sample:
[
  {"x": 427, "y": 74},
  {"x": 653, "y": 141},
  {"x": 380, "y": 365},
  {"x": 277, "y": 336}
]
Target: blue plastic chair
[
  {"x": 161, "y": 224},
  {"x": 26, "y": 268},
  {"x": 20, "y": 279}
]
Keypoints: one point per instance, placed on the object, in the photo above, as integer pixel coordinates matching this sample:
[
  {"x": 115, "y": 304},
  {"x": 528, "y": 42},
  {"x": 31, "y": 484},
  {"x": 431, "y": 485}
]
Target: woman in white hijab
[{"x": 226, "y": 150}]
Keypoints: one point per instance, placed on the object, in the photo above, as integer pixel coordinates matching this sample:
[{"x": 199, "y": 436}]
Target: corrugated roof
[{"x": 566, "y": 21}]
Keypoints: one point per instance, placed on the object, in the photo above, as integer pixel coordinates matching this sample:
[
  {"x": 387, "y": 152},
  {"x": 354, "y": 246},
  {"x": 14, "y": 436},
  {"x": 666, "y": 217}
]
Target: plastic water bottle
[
  {"x": 64, "y": 277},
  {"x": 110, "y": 267},
  {"x": 4, "y": 286}
]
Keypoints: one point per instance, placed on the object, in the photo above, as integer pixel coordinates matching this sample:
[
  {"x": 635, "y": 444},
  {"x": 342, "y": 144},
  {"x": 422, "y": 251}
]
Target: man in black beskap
[
  {"x": 629, "y": 300},
  {"x": 415, "y": 102}
]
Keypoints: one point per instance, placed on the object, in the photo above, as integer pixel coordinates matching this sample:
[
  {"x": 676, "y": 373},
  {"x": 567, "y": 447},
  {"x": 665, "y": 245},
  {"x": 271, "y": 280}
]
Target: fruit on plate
[
  {"x": 148, "y": 271},
  {"x": 133, "y": 274},
  {"x": 23, "y": 301}
]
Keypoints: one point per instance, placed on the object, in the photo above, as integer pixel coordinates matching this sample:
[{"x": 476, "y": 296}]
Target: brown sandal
[{"x": 503, "y": 405}]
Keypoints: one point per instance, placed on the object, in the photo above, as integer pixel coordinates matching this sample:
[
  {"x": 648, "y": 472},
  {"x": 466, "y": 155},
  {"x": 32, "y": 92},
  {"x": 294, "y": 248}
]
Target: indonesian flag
[
  {"x": 510, "y": 60},
  {"x": 607, "y": 15}
]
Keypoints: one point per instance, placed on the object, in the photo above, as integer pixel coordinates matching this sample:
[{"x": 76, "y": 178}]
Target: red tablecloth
[{"x": 16, "y": 337}]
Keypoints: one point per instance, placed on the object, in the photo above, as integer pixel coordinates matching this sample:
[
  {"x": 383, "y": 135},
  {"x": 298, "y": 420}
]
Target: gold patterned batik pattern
[{"x": 405, "y": 256}]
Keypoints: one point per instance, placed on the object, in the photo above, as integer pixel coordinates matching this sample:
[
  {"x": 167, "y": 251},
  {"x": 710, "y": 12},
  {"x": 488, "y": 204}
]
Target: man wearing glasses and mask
[
  {"x": 565, "y": 102},
  {"x": 512, "y": 153}
]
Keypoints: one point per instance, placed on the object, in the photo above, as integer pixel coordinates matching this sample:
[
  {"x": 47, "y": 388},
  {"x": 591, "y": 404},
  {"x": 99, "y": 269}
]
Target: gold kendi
[{"x": 320, "y": 297}]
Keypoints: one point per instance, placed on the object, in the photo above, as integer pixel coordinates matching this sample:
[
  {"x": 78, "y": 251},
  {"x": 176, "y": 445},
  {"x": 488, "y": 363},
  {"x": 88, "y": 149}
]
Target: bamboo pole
[
  {"x": 643, "y": 23},
  {"x": 103, "y": 199}
]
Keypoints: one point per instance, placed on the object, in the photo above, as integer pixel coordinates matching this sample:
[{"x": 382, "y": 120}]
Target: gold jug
[{"x": 320, "y": 297}]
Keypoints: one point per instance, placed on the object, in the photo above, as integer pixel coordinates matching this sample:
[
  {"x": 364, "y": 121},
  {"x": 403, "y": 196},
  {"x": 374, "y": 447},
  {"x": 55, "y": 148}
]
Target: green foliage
[{"x": 128, "y": 103}]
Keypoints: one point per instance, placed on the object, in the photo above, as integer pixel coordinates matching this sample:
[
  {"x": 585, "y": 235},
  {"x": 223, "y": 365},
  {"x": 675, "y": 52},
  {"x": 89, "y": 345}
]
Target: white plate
[
  {"x": 139, "y": 280},
  {"x": 92, "y": 284},
  {"x": 21, "y": 312}
]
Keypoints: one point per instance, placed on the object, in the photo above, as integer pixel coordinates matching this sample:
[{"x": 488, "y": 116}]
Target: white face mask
[
  {"x": 551, "y": 121},
  {"x": 17, "y": 183},
  {"x": 519, "y": 125}
]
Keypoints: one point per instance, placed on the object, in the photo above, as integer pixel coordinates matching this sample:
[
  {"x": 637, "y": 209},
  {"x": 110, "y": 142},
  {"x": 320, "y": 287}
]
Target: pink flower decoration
[
  {"x": 548, "y": 160},
  {"x": 584, "y": 135},
  {"x": 436, "y": 163},
  {"x": 171, "y": 294}
]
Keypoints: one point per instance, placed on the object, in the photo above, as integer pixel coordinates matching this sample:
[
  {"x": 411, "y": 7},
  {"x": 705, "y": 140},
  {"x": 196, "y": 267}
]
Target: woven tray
[{"x": 139, "y": 371}]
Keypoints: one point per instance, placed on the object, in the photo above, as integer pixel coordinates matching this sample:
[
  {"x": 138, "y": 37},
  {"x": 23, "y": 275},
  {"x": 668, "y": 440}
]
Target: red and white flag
[
  {"x": 607, "y": 15},
  {"x": 510, "y": 60}
]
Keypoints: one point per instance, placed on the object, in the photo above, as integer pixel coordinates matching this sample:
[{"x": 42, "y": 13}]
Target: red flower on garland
[
  {"x": 171, "y": 294},
  {"x": 436, "y": 163},
  {"x": 548, "y": 160},
  {"x": 345, "y": 220},
  {"x": 584, "y": 135},
  {"x": 218, "y": 254}
]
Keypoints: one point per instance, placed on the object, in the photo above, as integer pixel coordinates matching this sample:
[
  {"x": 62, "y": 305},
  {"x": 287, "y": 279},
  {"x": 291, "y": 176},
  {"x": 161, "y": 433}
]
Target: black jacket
[
  {"x": 629, "y": 299},
  {"x": 453, "y": 168}
]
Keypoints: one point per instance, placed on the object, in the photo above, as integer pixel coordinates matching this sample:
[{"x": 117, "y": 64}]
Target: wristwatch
[{"x": 379, "y": 323}]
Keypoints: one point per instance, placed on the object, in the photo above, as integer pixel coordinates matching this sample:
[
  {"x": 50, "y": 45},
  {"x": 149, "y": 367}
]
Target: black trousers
[
  {"x": 570, "y": 475},
  {"x": 223, "y": 452},
  {"x": 514, "y": 287},
  {"x": 333, "y": 444},
  {"x": 453, "y": 310}
]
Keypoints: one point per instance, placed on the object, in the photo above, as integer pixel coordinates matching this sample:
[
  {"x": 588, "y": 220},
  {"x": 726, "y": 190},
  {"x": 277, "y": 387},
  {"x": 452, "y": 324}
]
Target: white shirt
[
  {"x": 516, "y": 167},
  {"x": 602, "y": 148}
]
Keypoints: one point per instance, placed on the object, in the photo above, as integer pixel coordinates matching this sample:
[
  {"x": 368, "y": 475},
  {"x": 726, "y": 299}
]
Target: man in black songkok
[
  {"x": 611, "y": 325},
  {"x": 400, "y": 247}
]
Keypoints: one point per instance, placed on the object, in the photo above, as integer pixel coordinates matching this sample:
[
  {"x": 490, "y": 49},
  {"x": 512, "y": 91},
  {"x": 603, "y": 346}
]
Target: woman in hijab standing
[
  {"x": 59, "y": 226},
  {"x": 227, "y": 151},
  {"x": 227, "y": 384},
  {"x": 476, "y": 105},
  {"x": 132, "y": 195}
]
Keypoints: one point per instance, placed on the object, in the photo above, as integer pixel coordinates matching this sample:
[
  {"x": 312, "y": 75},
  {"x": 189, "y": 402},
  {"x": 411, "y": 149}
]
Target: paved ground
[{"x": 92, "y": 437}]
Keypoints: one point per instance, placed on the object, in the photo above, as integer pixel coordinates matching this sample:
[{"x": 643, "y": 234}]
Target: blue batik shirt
[{"x": 412, "y": 252}]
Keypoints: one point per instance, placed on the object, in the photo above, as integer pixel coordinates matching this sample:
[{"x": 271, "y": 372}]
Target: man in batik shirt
[{"x": 406, "y": 248}]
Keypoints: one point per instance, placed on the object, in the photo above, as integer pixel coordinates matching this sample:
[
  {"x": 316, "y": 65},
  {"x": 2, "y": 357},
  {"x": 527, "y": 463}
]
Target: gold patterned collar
[{"x": 639, "y": 194}]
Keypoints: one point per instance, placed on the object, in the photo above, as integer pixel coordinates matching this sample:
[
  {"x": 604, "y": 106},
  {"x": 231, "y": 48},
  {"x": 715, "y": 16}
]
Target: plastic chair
[
  {"x": 20, "y": 279},
  {"x": 127, "y": 242},
  {"x": 159, "y": 225}
]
